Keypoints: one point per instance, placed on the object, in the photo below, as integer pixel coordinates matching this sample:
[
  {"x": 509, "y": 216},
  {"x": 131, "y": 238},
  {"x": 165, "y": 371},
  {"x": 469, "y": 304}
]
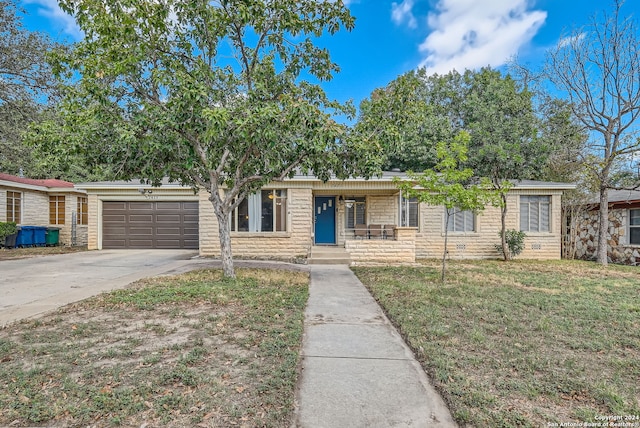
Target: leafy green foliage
[
  {"x": 6, "y": 229},
  {"x": 25, "y": 84},
  {"x": 503, "y": 126},
  {"x": 449, "y": 186},
  {"x": 211, "y": 94},
  {"x": 515, "y": 242},
  {"x": 496, "y": 111},
  {"x": 408, "y": 126}
]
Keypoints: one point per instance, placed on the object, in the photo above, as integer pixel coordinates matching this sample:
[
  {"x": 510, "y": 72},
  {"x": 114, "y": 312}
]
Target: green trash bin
[{"x": 52, "y": 236}]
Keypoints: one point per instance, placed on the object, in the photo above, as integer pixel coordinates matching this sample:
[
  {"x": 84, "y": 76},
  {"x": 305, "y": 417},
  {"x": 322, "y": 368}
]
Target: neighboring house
[
  {"x": 623, "y": 237},
  {"x": 370, "y": 219},
  {"x": 50, "y": 202}
]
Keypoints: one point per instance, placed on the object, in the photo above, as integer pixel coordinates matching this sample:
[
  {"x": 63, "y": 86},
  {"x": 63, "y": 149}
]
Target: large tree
[
  {"x": 209, "y": 93},
  {"x": 500, "y": 116},
  {"x": 424, "y": 110},
  {"x": 25, "y": 83},
  {"x": 598, "y": 67},
  {"x": 496, "y": 110}
]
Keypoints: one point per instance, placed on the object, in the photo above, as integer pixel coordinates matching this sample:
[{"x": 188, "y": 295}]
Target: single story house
[
  {"x": 623, "y": 236},
  {"x": 50, "y": 202},
  {"x": 367, "y": 220}
]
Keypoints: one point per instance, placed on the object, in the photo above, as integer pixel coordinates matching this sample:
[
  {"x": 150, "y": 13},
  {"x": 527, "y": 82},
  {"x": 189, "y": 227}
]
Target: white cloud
[
  {"x": 60, "y": 19},
  {"x": 567, "y": 41},
  {"x": 403, "y": 12},
  {"x": 472, "y": 34}
]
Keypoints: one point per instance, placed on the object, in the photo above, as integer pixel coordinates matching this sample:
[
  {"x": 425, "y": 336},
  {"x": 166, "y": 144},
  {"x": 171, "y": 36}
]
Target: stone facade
[
  {"x": 295, "y": 243},
  {"x": 402, "y": 249},
  {"x": 425, "y": 241},
  {"x": 481, "y": 243},
  {"x": 619, "y": 250},
  {"x": 382, "y": 206}
]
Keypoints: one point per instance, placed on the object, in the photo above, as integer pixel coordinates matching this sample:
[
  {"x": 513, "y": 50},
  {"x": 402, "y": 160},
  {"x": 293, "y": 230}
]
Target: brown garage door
[{"x": 149, "y": 225}]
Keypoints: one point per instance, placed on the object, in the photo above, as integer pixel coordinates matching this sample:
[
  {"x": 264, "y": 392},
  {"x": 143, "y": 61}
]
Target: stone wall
[
  {"x": 292, "y": 244},
  {"x": 35, "y": 208},
  {"x": 95, "y": 217},
  {"x": 70, "y": 206},
  {"x": 400, "y": 250},
  {"x": 382, "y": 209},
  {"x": 619, "y": 251},
  {"x": 480, "y": 243}
]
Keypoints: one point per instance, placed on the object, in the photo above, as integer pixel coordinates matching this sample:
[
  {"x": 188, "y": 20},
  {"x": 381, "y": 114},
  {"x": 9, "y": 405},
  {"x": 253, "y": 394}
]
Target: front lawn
[
  {"x": 525, "y": 343},
  {"x": 188, "y": 351}
]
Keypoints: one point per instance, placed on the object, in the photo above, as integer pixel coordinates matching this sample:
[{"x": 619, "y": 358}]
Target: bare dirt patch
[
  {"x": 29, "y": 252},
  {"x": 188, "y": 351}
]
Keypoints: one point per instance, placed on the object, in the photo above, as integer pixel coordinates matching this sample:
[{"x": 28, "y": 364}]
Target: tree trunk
[
  {"x": 503, "y": 227},
  {"x": 603, "y": 227},
  {"x": 225, "y": 241},
  {"x": 446, "y": 238}
]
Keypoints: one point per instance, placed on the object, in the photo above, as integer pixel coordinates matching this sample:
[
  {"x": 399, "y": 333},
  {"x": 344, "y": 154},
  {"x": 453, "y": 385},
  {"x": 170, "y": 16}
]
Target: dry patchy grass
[
  {"x": 25, "y": 253},
  {"x": 523, "y": 343},
  {"x": 188, "y": 351}
]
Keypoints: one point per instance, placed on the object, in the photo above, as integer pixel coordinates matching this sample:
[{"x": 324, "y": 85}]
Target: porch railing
[{"x": 372, "y": 231}]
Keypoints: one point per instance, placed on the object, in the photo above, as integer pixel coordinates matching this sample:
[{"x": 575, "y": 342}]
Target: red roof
[{"x": 49, "y": 182}]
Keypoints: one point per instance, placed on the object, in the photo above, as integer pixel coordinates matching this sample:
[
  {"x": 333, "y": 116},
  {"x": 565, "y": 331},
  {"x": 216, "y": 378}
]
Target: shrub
[
  {"x": 515, "y": 242},
  {"x": 6, "y": 229}
]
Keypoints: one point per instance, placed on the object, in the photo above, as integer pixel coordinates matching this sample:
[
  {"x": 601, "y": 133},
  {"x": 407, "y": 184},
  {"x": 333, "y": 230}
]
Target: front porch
[
  {"x": 401, "y": 249},
  {"x": 368, "y": 225},
  {"x": 355, "y": 251}
]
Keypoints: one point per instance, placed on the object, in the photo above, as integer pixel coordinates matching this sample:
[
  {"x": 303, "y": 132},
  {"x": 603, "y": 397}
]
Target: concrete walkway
[{"x": 357, "y": 370}]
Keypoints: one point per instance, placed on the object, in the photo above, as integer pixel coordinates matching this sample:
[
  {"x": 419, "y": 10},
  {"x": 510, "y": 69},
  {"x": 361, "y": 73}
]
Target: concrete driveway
[{"x": 33, "y": 286}]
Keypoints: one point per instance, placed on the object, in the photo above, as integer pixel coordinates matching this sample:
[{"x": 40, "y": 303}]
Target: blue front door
[{"x": 325, "y": 216}]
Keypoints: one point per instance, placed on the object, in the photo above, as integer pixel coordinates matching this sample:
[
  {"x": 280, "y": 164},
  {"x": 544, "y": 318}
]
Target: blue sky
[{"x": 393, "y": 37}]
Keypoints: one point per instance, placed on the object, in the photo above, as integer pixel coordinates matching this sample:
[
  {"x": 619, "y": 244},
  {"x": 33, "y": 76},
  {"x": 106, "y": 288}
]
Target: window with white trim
[
  {"x": 14, "y": 207},
  {"x": 409, "y": 209},
  {"x": 461, "y": 221},
  {"x": 535, "y": 213},
  {"x": 264, "y": 211},
  {"x": 355, "y": 212},
  {"x": 634, "y": 227}
]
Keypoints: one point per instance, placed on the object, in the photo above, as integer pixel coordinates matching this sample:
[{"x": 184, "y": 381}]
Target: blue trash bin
[
  {"x": 25, "y": 236},
  {"x": 39, "y": 235}
]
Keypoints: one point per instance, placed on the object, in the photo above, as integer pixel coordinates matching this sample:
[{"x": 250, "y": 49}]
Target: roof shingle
[{"x": 49, "y": 182}]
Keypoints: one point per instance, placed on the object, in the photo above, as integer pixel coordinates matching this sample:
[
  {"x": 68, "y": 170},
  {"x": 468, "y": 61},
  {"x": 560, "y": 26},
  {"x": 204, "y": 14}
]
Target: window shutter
[{"x": 524, "y": 213}]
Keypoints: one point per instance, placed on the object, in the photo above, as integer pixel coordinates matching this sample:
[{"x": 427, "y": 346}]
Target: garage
[{"x": 150, "y": 224}]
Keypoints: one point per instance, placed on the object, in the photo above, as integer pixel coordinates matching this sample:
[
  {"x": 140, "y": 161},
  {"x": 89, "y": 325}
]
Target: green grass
[
  {"x": 180, "y": 351},
  {"x": 521, "y": 343}
]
